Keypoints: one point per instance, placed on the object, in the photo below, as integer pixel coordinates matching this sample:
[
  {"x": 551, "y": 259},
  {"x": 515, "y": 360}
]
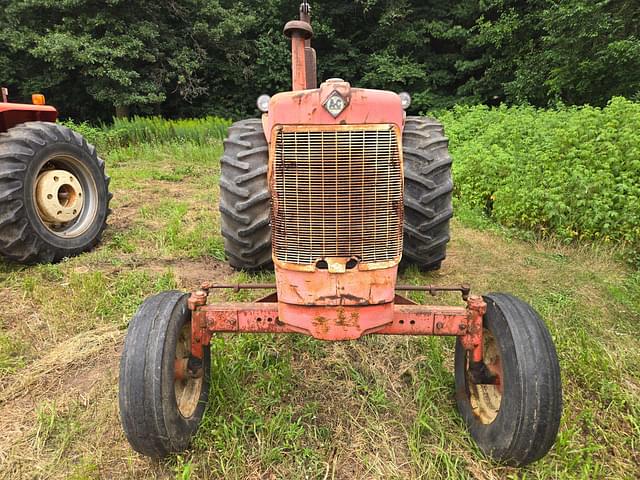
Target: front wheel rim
[
  {"x": 486, "y": 399},
  {"x": 187, "y": 389}
]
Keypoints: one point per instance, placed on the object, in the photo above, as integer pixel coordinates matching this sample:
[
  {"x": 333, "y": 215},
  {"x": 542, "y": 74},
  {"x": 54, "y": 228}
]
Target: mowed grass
[{"x": 290, "y": 407}]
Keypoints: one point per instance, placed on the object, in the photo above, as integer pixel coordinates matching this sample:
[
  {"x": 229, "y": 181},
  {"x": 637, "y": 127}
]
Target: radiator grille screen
[{"x": 337, "y": 193}]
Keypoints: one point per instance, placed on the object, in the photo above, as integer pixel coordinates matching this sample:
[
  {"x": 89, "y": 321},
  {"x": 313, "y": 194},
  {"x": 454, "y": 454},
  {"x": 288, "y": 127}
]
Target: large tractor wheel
[
  {"x": 54, "y": 196},
  {"x": 427, "y": 193},
  {"x": 514, "y": 418},
  {"x": 245, "y": 202},
  {"x": 161, "y": 403}
]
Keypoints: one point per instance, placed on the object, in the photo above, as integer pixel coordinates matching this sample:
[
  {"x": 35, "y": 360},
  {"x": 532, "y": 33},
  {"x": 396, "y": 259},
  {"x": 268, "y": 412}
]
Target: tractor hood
[
  {"x": 11, "y": 114},
  {"x": 334, "y": 103}
]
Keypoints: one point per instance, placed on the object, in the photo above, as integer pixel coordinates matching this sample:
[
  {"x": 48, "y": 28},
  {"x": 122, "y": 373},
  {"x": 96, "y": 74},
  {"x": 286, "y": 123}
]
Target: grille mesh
[{"x": 337, "y": 193}]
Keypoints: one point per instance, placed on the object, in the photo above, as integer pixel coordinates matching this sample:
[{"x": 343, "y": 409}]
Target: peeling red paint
[
  {"x": 353, "y": 287},
  {"x": 363, "y": 107},
  {"x": 339, "y": 322}
]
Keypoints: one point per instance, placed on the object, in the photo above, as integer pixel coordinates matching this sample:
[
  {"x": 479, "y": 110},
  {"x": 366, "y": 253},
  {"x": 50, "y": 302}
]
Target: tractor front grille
[{"x": 337, "y": 192}]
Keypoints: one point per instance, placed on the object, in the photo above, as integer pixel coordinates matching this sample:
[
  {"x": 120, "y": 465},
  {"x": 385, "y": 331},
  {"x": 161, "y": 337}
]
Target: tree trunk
[{"x": 122, "y": 111}]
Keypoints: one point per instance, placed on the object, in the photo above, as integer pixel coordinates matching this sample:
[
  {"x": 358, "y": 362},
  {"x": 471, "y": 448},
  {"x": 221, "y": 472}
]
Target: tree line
[{"x": 214, "y": 57}]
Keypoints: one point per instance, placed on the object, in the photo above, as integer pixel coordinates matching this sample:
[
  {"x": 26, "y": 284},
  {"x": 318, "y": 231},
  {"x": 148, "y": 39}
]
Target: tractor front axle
[{"x": 335, "y": 323}]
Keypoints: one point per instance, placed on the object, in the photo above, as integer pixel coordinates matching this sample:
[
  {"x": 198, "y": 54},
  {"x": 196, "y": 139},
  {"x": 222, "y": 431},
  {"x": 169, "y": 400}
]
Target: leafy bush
[
  {"x": 571, "y": 172},
  {"x": 97, "y": 136}
]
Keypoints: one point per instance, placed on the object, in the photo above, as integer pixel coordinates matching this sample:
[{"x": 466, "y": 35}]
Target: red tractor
[
  {"x": 54, "y": 194},
  {"x": 335, "y": 186}
]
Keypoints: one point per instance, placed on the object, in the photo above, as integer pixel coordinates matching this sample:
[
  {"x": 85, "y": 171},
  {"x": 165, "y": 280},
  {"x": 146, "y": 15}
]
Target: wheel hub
[
  {"x": 486, "y": 399},
  {"x": 59, "y": 196}
]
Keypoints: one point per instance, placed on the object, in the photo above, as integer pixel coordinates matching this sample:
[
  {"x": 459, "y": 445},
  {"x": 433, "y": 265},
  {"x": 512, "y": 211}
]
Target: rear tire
[
  {"x": 245, "y": 202},
  {"x": 515, "y": 421},
  {"x": 427, "y": 193},
  {"x": 27, "y": 152},
  {"x": 159, "y": 413}
]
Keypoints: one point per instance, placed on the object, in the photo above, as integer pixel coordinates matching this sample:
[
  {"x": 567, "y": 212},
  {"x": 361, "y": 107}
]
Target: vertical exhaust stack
[
  {"x": 309, "y": 52},
  {"x": 303, "y": 57}
]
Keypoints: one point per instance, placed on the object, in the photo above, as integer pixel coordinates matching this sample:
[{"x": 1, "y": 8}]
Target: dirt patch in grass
[
  {"x": 16, "y": 310},
  {"x": 190, "y": 274},
  {"x": 127, "y": 204},
  {"x": 61, "y": 367},
  {"x": 123, "y": 216}
]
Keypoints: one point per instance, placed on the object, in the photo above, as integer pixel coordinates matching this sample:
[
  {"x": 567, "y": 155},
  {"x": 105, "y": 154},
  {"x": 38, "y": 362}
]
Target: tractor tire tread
[
  {"x": 531, "y": 419},
  {"x": 245, "y": 201},
  {"x": 149, "y": 418},
  {"x": 428, "y": 193}
]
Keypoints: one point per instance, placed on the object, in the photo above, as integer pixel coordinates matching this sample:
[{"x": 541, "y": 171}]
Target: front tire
[
  {"x": 159, "y": 411},
  {"x": 516, "y": 420},
  {"x": 54, "y": 194}
]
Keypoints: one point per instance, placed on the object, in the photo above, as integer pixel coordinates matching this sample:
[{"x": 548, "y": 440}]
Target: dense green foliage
[
  {"x": 571, "y": 172},
  {"x": 213, "y": 57}
]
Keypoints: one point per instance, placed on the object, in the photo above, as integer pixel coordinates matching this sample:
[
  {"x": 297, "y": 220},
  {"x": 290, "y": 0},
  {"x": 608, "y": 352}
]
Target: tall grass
[
  {"x": 152, "y": 130},
  {"x": 199, "y": 131}
]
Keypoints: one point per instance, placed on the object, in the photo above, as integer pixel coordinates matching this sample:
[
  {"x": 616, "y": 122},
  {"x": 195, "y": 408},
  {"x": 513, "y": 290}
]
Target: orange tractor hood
[
  {"x": 12, "y": 114},
  {"x": 306, "y": 107}
]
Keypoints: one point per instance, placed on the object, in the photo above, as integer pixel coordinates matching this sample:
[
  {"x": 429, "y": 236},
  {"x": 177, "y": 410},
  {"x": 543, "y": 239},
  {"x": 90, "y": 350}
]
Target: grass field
[{"x": 290, "y": 407}]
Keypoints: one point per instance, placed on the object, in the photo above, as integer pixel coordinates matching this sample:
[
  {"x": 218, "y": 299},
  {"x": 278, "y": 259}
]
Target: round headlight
[
  {"x": 263, "y": 103},
  {"x": 405, "y": 99}
]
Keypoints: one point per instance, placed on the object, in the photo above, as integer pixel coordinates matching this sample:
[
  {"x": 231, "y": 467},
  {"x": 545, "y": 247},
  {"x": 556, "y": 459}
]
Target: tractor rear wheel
[
  {"x": 161, "y": 407},
  {"x": 245, "y": 202},
  {"x": 427, "y": 193},
  {"x": 515, "y": 416},
  {"x": 54, "y": 194}
]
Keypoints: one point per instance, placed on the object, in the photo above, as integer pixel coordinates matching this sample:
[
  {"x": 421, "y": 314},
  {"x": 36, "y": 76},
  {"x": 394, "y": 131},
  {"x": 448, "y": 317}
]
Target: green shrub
[
  {"x": 97, "y": 136},
  {"x": 570, "y": 172}
]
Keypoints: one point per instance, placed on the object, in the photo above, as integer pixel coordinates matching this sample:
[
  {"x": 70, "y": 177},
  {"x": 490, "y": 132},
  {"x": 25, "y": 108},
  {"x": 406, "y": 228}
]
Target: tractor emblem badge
[{"x": 335, "y": 104}]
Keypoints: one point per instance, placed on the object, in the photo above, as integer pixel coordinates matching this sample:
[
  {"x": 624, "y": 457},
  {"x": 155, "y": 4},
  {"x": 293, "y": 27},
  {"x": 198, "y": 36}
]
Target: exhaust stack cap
[{"x": 298, "y": 27}]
